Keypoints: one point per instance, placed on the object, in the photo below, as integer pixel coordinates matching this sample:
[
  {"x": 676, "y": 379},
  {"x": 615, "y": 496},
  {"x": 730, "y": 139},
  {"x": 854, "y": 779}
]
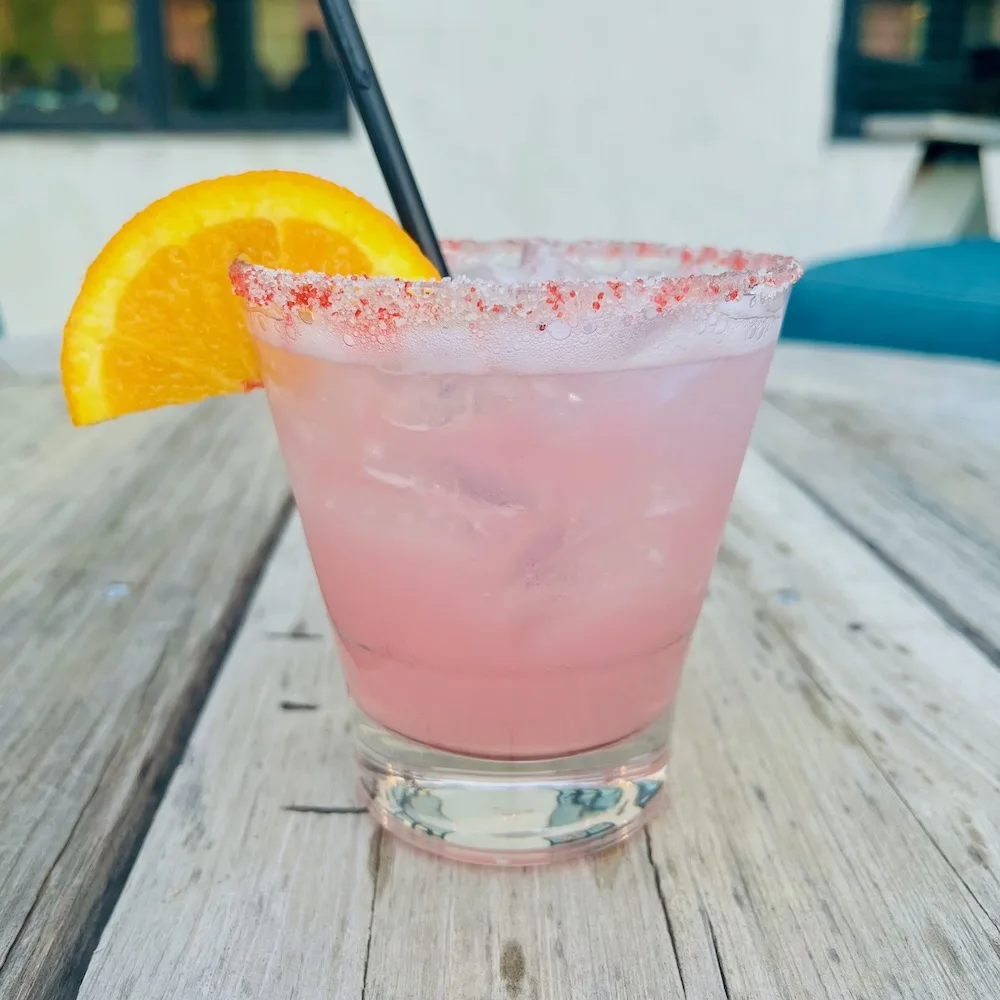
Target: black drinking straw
[{"x": 370, "y": 102}]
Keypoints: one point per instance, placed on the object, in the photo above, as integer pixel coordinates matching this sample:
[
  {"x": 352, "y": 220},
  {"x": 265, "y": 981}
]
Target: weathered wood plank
[
  {"x": 256, "y": 878},
  {"x": 126, "y": 554},
  {"x": 923, "y": 497},
  {"x": 955, "y": 473},
  {"x": 950, "y": 388},
  {"x": 591, "y": 930},
  {"x": 835, "y": 828},
  {"x": 250, "y": 760},
  {"x": 923, "y": 700}
]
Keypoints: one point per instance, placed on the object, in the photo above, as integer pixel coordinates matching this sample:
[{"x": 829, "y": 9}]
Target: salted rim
[{"x": 716, "y": 276}]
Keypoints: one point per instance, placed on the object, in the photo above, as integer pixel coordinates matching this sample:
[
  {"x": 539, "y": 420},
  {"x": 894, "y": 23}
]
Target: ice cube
[
  {"x": 481, "y": 489},
  {"x": 424, "y": 403}
]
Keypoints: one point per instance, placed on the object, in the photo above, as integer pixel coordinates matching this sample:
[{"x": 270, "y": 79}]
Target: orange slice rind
[{"x": 156, "y": 321}]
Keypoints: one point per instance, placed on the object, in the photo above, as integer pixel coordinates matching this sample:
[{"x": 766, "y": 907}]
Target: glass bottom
[{"x": 495, "y": 812}]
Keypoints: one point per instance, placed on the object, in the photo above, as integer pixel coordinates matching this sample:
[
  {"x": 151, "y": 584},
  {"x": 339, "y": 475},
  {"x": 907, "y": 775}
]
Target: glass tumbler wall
[{"x": 513, "y": 485}]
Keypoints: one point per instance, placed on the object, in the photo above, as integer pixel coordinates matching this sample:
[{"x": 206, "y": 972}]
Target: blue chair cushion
[{"x": 935, "y": 300}]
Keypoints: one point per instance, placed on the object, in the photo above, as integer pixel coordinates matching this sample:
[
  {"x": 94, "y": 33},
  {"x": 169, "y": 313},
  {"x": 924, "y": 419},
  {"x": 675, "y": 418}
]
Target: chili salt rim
[{"x": 724, "y": 276}]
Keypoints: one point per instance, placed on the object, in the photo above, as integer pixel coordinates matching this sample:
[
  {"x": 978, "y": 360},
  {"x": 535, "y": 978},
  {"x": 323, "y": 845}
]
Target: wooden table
[{"x": 176, "y": 811}]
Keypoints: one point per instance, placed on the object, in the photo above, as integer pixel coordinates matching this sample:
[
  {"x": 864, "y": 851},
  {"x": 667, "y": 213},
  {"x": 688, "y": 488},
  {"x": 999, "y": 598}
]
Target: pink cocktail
[{"x": 513, "y": 486}]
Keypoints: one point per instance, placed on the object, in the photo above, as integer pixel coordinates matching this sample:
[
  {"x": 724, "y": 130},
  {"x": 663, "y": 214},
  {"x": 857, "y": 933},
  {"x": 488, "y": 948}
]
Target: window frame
[
  {"x": 934, "y": 87},
  {"x": 154, "y": 115}
]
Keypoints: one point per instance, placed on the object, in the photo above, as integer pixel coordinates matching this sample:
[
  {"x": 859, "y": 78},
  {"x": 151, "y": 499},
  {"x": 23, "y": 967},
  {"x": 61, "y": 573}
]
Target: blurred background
[{"x": 822, "y": 128}]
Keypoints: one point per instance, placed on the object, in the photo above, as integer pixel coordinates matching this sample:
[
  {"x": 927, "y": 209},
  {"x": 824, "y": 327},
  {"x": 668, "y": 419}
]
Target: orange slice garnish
[{"x": 157, "y": 323}]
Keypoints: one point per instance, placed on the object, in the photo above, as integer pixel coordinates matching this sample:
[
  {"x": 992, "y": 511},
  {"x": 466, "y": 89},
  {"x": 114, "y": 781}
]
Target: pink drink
[
  {"x": 514, "y": 563},
  {"x": 513, "y": 494}
]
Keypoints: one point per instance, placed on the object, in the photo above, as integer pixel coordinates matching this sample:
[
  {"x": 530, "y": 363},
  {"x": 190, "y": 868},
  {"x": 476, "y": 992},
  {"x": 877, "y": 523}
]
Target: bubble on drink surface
[{"x": 349, "y": 340}]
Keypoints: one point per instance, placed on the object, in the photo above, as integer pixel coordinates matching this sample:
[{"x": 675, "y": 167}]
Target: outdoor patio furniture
[{"x": 937, "y": 300}]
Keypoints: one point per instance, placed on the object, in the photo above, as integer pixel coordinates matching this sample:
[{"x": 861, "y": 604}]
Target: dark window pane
[
  {"x": 65, "y": 62},
  {"x": 982, "y": 44},
  {"x": 918, "y": 57},
  {"x": 982, "y": 24},
  {"x": 247, "y": 63},
  {"x": 296, "y": 55},
  {"x": 191, "y": 31}
]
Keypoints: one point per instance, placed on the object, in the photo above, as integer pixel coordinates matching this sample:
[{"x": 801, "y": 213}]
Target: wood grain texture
[
  {"x": 592, "y": 930},
  {"x": 952, "y": 389},
  {"x": 835, "y": 821},
  {"x": 256, "y": 878},
  {"x": 126, "y": 554},
  {"x": 923, "y": 497},
  {"x": 835, "y": 828},
  {"x": 258, "y": 840}
]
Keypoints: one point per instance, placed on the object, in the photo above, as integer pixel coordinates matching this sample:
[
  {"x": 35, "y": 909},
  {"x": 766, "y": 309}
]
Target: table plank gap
[
  {"x": 865, "y": 862},
  {"x": 594, "y": 929},
  {"x": 804, "y": 874},
  {"x": 953, "y": 614},
  {"x": 895, "y": 503},
  {"x": 127, "y": 556},
  {"x": 258, "y": 874},
  {"x": 834, "y": 826}
]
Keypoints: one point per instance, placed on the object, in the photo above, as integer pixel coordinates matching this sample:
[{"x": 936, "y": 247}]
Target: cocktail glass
[{"x": 513, "y": 484}]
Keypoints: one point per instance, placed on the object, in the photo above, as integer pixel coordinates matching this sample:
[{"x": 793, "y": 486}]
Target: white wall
[{"x": 703, "y": 122}]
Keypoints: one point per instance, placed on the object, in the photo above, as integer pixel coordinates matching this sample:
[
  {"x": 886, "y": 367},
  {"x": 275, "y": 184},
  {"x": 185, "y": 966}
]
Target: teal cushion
[{"x": 935, "y": 300}]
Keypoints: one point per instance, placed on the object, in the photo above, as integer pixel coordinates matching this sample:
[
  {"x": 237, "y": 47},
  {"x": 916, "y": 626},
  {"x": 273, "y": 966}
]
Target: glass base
[{"x": 495, "y": 812}]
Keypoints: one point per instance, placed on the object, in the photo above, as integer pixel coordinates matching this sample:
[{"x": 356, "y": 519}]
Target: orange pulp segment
[{"x": 156, "y": 321}]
